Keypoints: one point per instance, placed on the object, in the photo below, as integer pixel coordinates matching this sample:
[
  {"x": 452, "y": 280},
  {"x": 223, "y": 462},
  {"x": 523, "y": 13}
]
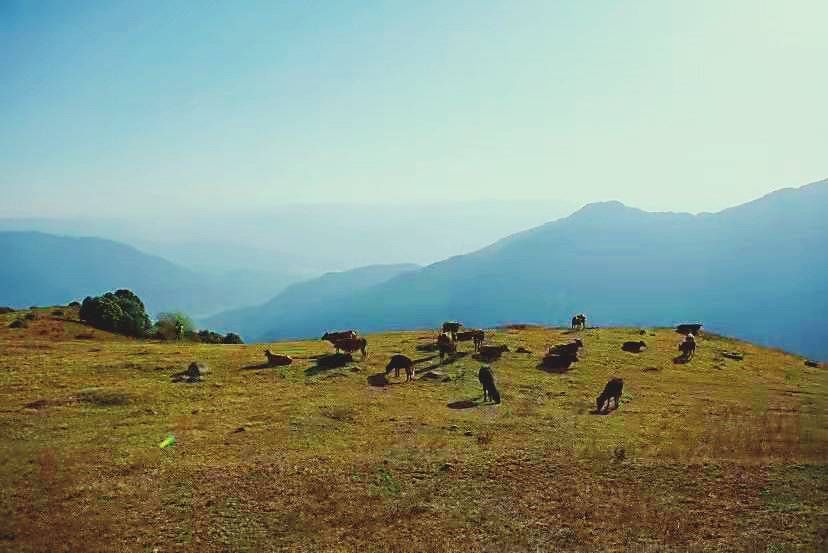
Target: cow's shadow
[
  {"x": 264, "y": 365},
  {"x": 328, "y": 362},
  {"x": 463, "y": 404},
  {"x": 453, "y": 357},
  {"x": 556, "y": 365},
  {"x": 378, "y": 380},
  {"x": 681, "y": 359}
]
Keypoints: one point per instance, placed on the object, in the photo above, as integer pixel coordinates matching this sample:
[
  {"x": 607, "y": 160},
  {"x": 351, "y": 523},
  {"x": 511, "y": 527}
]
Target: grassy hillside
[
  {"x": 718, "y": 454},
  {"x": 758, "y": 271}
]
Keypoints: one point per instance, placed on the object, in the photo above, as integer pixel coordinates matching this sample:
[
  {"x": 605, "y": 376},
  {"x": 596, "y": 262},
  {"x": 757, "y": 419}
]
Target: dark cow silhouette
[
  {"x": 579, "y": 321},
  {"x": 398, "y": 362},
  {"x": 612, "y": 391},
  {"x": 688, "y": 328},
  {"x": 451, "y": 328},
  {"x": 570, "y": 349},
  {"x": 687, "y": 347},
  {"x": 276, "y": 360},
  {"x": 475, "y": 335},
  {"x": 486, "y": 378},
  {"x": 350, "y": 345},
  {"x": 634, "y": 347},
  {"x": 490, "y": 351},
  {"x": 445, "y": 345}
]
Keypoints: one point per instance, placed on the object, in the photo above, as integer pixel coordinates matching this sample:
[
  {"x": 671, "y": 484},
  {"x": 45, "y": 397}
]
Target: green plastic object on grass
[{"x": 168, "y": 441}]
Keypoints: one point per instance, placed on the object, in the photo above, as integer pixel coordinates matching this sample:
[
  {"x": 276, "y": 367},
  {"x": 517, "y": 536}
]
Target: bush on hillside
[
  {"x": 18, "y": 323},
  {"x": 30, "y": 316},
  {"x": 4, "y": 310},
  {"x": 210, "y": 337},
  {"x": 168, "y": 325},
  {"x": 232, "y": 338},
  {"x": 74, "y": 304},
  {"x": 122, "y": 312}
]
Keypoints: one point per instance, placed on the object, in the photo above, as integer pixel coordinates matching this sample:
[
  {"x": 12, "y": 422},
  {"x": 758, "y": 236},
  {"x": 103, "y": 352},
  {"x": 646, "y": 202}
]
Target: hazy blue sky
[{"x": 131, "y": 107}]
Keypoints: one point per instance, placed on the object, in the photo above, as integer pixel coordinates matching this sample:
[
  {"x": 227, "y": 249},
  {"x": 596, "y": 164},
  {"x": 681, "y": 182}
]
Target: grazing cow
[
  {"x": 398, "y": 362},
  {"x": 687, "y": 347},
  {"x": 634, "y": 347},
  {"x": 451, "y": 328},
  {"x": 350, "y": 345},
  {"x": 612, "y": 391},
  {"x": 333, "y": 337},
  {"x": 486, "y": 378},
  {"x": 689, "y": 328},
  {"x": 489, "y": 351},
  {"x": 475, "y": 335},
  {"x": 276, "y": 360},
  {"x": 445, "y": 345},
  {"x": 579, "y": 321}
]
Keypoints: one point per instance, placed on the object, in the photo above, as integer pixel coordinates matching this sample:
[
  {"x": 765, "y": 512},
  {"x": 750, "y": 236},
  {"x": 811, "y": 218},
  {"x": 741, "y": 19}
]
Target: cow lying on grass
[
  {"x": 634, "y": 347},
  {"x": 277, "y": 360}
]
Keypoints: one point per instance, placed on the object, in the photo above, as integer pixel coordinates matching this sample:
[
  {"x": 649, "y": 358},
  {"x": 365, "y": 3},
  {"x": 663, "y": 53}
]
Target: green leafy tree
[
  {"x": 122, "y": 312},
  {"x": 173, "y": 325}
]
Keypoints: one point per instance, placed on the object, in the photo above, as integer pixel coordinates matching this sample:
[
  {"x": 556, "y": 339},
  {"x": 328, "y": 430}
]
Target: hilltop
[
  {"x": 712, "y": 454},
  {"x": 42, "y": 269},
  {"x": 758, "y": 271}
]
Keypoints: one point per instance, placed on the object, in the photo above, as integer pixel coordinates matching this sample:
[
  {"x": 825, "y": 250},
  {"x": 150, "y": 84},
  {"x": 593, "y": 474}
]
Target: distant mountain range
[
  {"x": 43, "y": 269},
  {"x": 757, "y": 271}
]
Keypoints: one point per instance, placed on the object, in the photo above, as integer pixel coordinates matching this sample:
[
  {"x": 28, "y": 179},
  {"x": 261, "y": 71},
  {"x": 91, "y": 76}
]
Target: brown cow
[
  {"x": 350, "y": 345},
  {"x": 476, "y": 335},
  {"x": 343, "y": 335},
  {"x": 451, "y": 328},
  {"x": 276, "y": 360},
  {"x": 445, "y": 345}
]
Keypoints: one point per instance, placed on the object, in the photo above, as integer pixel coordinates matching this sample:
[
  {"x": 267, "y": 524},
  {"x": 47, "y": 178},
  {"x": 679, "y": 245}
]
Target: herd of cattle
[{"x": 557, "y": 358}]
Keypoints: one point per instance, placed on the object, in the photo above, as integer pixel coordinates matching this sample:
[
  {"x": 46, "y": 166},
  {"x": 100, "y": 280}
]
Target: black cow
[
  {"x": 579, "y": 321},
  {"x": 612, "y": 391},
  {"x": 486, "y": 378},
  {"x": 687, "y": 347},
  {"x": 634, "y": 347},
  {"x": 570, "y": 349},
  {"x": 398, "y": 362},
  {"x": 490, "y": 351},
  {"x": 687, "y": 328}
]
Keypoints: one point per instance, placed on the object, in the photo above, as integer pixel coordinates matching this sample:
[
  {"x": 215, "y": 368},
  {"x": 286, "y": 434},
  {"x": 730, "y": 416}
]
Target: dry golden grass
[{"x": 718, "y": 454}]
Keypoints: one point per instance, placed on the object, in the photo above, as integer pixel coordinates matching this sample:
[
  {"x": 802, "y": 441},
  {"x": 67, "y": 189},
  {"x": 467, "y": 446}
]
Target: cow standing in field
[
  {"x": 398, "y": 362},
  {"x": 445, "y": 345},
  {"x": 451, "y": 328},
  {"x": 333, "y": 337},
  {"x": 687, "y": 347},
  {"x": 350, "y": 345},
  {"x": 476, "y": 335},
  {"x": 486, "y": 378},
  {"x": 579, "y": 322},
  {"x": 612, "y": 391}
]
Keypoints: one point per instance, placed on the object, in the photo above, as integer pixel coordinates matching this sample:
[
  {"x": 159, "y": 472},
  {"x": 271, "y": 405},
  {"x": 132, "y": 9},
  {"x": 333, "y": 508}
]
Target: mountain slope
[
  {"x": 757, "y": 271},
  {"x": 42, "y": 269},
  {"x": 299, "y": 307}
]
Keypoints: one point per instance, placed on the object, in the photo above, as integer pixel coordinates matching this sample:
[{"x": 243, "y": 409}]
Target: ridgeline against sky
[{"x": 133, "y": 109}]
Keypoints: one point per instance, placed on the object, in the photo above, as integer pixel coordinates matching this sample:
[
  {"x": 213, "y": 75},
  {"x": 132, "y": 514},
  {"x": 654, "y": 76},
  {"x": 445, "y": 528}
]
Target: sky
[{"x": 140, "y": 108}]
